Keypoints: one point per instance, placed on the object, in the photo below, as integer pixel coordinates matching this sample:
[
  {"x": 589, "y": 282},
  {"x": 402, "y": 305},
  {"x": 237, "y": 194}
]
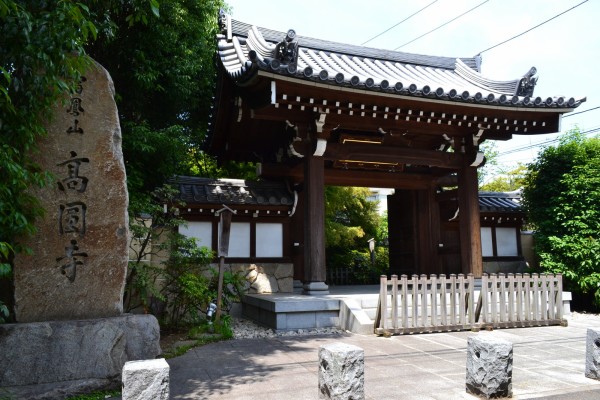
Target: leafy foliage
[
  {"x": 490, "y": 168},
  {"x": 506, "y": 181},
  {"x": 39, "y": 64},
  {"x": 182, "y": 285},
  {"x": 164, "y": 75},
  {"x": 41, "y": 59},
  {"x": 350, "y": 221},
  {"x": 562, "y": 197}
]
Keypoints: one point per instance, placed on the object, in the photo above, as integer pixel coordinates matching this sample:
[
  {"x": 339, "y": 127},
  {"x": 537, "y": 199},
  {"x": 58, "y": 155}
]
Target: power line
[
  {"x": 545, "y": 143},
  {"x": 580, "y": 112},
  {"x": 405, "y": 19},
  {"x": 530, "y": 29},
  {"x": 444, "y": 24},
  {"x": 520, "y": 148}
]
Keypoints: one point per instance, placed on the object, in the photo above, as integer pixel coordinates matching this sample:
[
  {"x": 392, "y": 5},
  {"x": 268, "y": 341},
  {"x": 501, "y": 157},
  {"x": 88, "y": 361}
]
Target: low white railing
[
  {"x": 440, "y": 303},
  {"x": 518, "y": 300}
]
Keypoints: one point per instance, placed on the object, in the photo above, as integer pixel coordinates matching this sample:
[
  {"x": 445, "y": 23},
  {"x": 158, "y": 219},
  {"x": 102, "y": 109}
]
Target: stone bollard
[
  {"x": 341, "y": 372},
  {"x": 489, "y": 367},
  {"x": 592, "y": 354},
  {"x": 146, "y": 380}
]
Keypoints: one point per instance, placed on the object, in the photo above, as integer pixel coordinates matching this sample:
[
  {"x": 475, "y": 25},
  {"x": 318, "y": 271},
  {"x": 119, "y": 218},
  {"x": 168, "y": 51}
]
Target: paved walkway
[{"x": 549, "y": 362}]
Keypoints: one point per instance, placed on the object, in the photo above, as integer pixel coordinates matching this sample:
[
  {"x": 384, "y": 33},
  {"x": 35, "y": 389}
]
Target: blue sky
[{"x": 565, "y": 51}]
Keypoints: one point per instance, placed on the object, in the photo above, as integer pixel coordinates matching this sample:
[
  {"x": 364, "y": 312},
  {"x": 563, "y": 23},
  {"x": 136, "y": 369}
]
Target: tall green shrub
[{"x": 562, "y": 197}]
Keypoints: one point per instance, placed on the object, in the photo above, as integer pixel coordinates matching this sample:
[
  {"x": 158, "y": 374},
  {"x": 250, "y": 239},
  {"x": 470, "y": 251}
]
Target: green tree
[
  {"x": 507, "y": 181},
  {"x": 164, "y": 75},
  {"x": 490, "y": 151},
  {"x": 562, "y": 197},
  {"x": 41, "y": 60},
  {"x": 351, "y": 219}
]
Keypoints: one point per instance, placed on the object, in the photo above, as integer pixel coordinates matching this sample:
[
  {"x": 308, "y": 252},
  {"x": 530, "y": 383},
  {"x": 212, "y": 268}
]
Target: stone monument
[
  {"x": 70, "y": 328},
  {"x": 80, "y": 251}
]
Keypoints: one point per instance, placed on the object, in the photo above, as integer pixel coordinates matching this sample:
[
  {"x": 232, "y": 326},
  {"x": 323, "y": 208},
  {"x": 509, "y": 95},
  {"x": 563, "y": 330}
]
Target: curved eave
[{"x": 251, "y": 52}]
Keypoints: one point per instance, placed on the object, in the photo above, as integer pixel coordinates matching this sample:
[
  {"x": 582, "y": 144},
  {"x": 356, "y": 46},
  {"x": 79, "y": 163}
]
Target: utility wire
[
  {"x": 580, "y": 112},
  {"x": 547, "y": 142},
  {"x": 404, "y": 20},
  {"x": 526, "y": 147},
  {"x": 530, "y": 29},
  {"x": 444, "y": 24}
]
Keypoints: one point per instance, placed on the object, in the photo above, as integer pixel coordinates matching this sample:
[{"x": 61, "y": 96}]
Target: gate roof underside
[{"x": 383, "y": 114}]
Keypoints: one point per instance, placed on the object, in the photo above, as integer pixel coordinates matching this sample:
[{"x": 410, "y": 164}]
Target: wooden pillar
[
  {"x": 315, "y": 272},
  {"x": 297, "y": 237},
  {"x": 470, "y": 228},
  {"x": 428, "y": 228}
]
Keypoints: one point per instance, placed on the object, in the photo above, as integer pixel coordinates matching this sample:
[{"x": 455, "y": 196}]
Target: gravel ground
[{"x": 246, "y": 329}]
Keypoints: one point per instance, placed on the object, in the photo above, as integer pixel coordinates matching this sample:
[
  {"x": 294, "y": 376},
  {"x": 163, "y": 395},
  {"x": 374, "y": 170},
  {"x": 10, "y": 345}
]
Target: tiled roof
[
  {"x": 195, "y": 190},
  {"x": 493, "y": 202},
  {"x": 245, "y": 49}
]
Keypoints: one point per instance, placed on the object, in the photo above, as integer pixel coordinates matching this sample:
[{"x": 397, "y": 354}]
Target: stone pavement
[{"x": 549, "y": 362}]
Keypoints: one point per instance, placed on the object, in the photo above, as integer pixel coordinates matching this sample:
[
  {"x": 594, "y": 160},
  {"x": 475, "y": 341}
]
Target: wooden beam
[
  {"x": 379, "y": 153},
  {"x": 341, "y": 177}
]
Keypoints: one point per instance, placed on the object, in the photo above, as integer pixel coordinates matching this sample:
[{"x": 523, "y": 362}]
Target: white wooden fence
[
  {"x": 440, "y": 303},
  {"x": 520, "y": 300}
]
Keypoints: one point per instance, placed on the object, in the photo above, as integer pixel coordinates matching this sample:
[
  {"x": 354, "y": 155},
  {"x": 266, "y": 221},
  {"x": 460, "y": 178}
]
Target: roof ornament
[
  {"x": 286, "y": 51},
  {"x": 222, "y": 21},
  {"x": 527, "y": 83}
]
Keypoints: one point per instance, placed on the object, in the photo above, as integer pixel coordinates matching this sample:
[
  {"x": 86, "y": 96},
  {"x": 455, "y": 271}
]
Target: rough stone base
[
  {"x": 314, "y": 288},
  {"x": 266, "y": 277},
  {"x": 49, "y": 360},
  {"x": 592, "y": 354}
]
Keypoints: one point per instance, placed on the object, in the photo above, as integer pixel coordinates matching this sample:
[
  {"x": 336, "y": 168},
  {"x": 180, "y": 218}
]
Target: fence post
[
  {"x": 404, "y": 302},
  {"x": 415, "y": 300},
  {"x": 471, "y": 294},
  {"x": 443, "y": 301},
  {"x": 434, "y": 302},
  {"x": 383, "y": 301},
  {"x": 424, "y": 294},
  {"x": 453, "y": 320},
  {"x": 394, "y": 301},
  {"x": 483, "y": 295},
  {"x": 527, "y": 284},
  {"x": 559, "y": 297},
  {"x": 511, "y": 297}
]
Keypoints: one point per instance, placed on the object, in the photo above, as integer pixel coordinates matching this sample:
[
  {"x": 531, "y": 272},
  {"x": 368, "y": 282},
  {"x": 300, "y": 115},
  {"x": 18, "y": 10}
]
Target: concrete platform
[{"x": 348, "y": 307}]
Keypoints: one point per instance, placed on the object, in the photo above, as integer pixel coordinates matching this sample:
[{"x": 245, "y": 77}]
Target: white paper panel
[
  {"x": 487, "y": 246},
  {"x": 506, "y": 242},
  {"x": 269, "y": 240},
  {"x": 201, "y": 231}
]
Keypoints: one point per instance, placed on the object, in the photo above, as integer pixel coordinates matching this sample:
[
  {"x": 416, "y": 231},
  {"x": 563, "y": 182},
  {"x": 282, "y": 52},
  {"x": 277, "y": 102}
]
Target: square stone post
[
  {"x": 592, "y": 354},
  {"x": 341, "y": 372},
  {"x": 489, "y": 367},
  {"x": 146, "y": 380}
]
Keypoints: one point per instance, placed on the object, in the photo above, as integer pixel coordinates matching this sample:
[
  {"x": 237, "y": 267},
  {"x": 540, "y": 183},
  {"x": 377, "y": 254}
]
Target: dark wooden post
[
  {"x": 470, "y": 228},
  {"x": 314, "y": 225},
  {"x": 315, "y": 272},
  {"x": 224, "y": 230}
]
